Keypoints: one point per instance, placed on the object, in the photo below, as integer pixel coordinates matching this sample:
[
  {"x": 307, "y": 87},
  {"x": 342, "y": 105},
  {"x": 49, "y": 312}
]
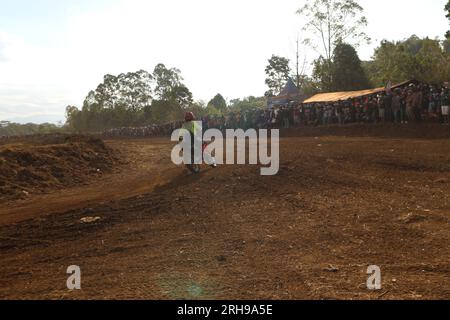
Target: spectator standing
[
  {"x": 417, "y": 103},
  {"x": 388, "y": 105},
  {"x": 445, "y": 102},
  {"x": 397, "y": 107},
  {"x": 410, "y": 100},
  {"x": 381, "y": 108}
]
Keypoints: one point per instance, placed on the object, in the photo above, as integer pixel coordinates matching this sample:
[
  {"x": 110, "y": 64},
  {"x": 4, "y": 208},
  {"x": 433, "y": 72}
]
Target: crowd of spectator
[
  {"x": 153, "y": 130},
  {"x": 413, "y": 103}
]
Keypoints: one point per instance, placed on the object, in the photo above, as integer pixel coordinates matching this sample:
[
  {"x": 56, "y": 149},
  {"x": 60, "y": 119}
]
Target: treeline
[
  {"x": 426, "y": 60},
  {"x": 132, "y": 99},
  {"x": 140, "y": 98},
  {"x": 16, "y": 129},
  {"x": 339, "y": 68}
]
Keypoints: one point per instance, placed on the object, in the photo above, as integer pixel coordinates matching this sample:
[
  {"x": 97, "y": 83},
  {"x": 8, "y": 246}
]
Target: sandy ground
[{"x": 338, "y": 205}]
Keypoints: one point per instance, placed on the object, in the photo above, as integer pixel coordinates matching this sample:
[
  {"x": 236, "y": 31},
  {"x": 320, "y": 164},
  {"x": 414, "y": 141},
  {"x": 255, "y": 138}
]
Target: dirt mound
[
  {"x": 44, "y": 139},
  {"x": 42, "y": 164}
]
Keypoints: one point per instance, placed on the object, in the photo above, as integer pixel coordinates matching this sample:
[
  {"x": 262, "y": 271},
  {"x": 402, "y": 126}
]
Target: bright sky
[{"x": 52, "y": 52}]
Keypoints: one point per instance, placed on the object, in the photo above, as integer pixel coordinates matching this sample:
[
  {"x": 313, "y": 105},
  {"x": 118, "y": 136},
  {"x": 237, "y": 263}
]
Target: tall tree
[
  {"x": 322, "y": 74},
  {"x": 133, "y": 89},
  {"x": 181, "y": 96},
  {"x": 165, "y": 81},
  {"x": 72, "y": 121},
  {"x": 447, "y": 9},
  {"x": 331, "y": 22},
  {"x": 163, "y": 111},
  {"x": 131, "y": 99},
  {"x": 218, "y": 102},
  {"x": 277, "y": 72},
  {"x": 169, "y": 88},
  {"x": 347, "y": 71}
]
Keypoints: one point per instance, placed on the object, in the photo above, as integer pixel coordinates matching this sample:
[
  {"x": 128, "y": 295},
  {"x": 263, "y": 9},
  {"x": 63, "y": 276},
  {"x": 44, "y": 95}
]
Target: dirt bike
[{"x": 196, "y": 168}]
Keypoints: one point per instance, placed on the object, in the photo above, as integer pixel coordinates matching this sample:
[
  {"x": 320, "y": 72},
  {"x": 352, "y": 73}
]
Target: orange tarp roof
[{"x": 337, "y": 96}]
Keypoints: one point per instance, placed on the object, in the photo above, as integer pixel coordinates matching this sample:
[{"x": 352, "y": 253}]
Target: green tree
[
  {"x": 117, "y": 101},
  {"x": 181, "y": 96},
  {"x": 163, "y": 111},
  {"x": 213, "y": 111},
  {"x": 218, "y": 102},
  {"x": 391, "y": 61},
  {"x": 15, "y": 129},
  {"x": 166, "y": 80},
  {"x": 332, "y": 22},
  {"x": 425, "y": 60},
  {"x": 347, "y": 73},
  {"x": 433, "y": 62},
  {"x": 133, "y": 89},
  {"x": 447, "y": 9},
  {"x": 309, "y": 87},
  {"x": 248, "y": 104},
  {"x": 72, "y": 118},
  {"x": 446, "y": 46},
  {"x": 171, "y": 93},
  {"x": 277, "y": 72},
  {"x": 132, "y": 99},
  {"x": 198, "y": 108},
  {"x": 321, "y": 76}
]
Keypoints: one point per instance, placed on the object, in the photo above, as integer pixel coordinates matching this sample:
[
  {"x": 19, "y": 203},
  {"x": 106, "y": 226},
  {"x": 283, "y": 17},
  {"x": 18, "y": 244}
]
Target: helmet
[{"x": 189, "y": 116}]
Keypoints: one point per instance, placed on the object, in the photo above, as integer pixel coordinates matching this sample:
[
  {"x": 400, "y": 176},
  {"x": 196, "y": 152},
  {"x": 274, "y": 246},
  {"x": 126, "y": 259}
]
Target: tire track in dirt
[
  {"x": 309, "y": 232},
  {"x": 144, "y": 170}
]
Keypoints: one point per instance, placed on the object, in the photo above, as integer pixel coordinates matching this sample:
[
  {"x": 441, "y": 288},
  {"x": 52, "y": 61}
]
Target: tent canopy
[
  {"x": 288, "y": 94},
  {"x": 290, "y": 89},
  {"x": 342, "y": 96}
]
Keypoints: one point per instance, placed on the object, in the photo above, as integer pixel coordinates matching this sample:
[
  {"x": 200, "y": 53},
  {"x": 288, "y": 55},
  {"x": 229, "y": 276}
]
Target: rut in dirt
[{"x": 338, "y": 204}]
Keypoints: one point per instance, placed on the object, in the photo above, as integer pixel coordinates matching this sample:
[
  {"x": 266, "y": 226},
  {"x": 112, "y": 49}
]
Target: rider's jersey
[{"x": 193, "y": 128}]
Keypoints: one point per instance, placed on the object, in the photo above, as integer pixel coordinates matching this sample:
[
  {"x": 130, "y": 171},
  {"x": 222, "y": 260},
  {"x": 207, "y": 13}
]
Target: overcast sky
[{"x": 52, "y": 52}]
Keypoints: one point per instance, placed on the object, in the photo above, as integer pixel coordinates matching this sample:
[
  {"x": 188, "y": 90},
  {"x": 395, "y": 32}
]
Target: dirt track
[{"x": 338, "y": 205}]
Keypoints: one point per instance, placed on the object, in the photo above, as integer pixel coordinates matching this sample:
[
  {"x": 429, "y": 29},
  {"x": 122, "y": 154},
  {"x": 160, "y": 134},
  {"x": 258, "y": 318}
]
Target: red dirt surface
[{"x": 338, "y": 205}]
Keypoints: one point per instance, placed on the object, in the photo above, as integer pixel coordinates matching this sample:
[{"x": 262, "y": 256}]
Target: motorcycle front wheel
[{"x": 194, "y": 168}]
